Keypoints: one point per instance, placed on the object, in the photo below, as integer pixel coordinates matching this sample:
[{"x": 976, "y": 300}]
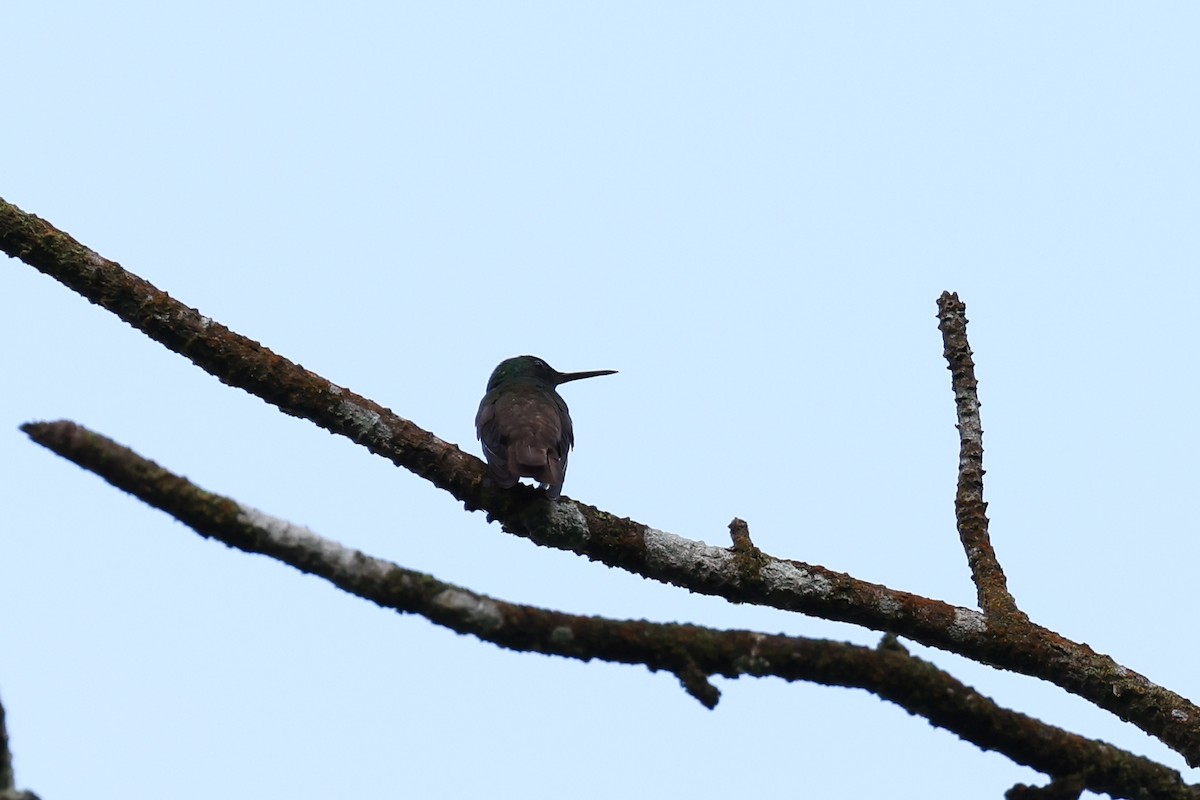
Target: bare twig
[
  {"x": 619, "y": 542},
  {"x": 969, "y": 508},
  {"x": 693, "y": 653},
  {"x": 7, "y": 780},
  {"x": 8, "y": 785},
  {"x": 739, "y": 531}
]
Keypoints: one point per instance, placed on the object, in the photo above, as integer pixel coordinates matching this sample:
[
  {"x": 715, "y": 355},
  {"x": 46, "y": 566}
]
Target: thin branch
[
  {"x": 608, "y": 538},
  {"x": 969, "y": 508},
  {"x": 8, "y": 784},
  {"x": 692, "y": 652},
  {"x": 7, "y": 780}
]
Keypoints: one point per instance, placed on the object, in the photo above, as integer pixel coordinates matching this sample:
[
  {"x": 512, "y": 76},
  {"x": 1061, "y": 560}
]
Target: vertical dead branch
[{"x": 970, "y": 510}]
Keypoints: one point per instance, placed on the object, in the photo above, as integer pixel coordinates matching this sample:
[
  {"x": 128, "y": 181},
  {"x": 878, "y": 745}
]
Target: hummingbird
[{"x": 524, "y": 424}]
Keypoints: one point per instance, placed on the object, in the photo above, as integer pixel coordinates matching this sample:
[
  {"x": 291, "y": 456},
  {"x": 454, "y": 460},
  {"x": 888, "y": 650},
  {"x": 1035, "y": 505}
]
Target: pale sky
[{"x": 748, "y": 210}]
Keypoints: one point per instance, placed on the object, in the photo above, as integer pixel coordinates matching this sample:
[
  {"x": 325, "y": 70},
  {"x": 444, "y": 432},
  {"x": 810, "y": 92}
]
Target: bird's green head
[{"x": 534, "y": 370}]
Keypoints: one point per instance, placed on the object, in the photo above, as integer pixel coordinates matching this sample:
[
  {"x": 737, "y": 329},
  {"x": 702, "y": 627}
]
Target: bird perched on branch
[{"x": 524, "y": 424}]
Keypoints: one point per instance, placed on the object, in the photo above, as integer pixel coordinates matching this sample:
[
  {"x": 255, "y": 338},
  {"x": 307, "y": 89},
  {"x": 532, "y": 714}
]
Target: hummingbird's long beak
[{"x": 563, "y": 377}]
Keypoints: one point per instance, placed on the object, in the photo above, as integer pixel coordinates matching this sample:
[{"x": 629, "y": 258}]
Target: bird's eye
[{"x": 537, "y": 362}]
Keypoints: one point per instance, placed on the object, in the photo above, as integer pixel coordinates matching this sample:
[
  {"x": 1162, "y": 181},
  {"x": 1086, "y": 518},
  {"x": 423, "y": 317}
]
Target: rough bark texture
[{"x": 970, "y": 510}]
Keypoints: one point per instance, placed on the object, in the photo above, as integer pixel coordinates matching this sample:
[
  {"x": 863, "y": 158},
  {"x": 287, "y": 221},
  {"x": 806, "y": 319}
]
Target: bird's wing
[
  {"x": 566, "y": 436},
  {"x": 487, "y": 428}
]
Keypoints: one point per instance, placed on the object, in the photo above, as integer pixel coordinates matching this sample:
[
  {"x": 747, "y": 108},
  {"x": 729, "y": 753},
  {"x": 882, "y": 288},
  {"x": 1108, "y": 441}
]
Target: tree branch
[
  {"x": 7, "y": 780},
  {"x": 8, "y": 784},
  {"x": 970, "y": 510},
  {"x": 605, "y": 537},
  {"x": 692, "y": 652}
]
